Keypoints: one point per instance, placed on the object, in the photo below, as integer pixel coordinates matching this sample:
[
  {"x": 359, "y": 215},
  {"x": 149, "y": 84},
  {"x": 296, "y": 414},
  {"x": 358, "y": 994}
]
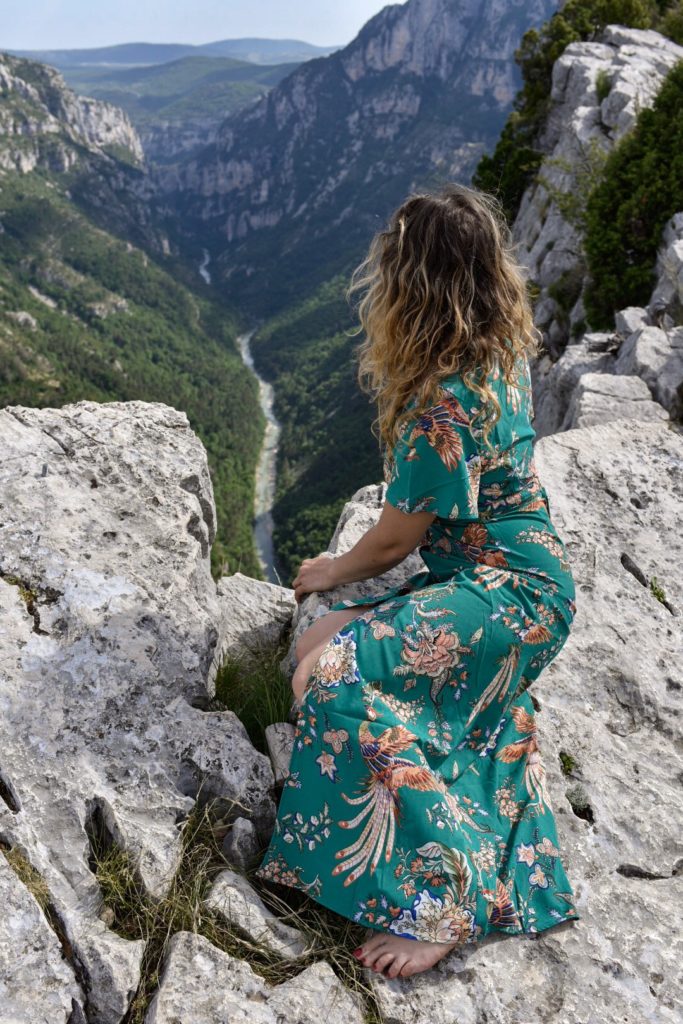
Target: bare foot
[{"x": 396, "y": 957}]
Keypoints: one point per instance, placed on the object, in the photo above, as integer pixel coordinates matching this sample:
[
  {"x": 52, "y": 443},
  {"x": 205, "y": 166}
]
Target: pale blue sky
[{"x": 66, "y": 24}]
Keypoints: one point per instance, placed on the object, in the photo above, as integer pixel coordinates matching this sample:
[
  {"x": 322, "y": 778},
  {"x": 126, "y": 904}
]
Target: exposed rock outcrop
[
  {"x": 634, "y": 63},
  {"x": 634, "y": 371},
  {"x": 109, "y": 621},
  {"x": 204, "y": 985},
  {"x": 47, "y": 124}
]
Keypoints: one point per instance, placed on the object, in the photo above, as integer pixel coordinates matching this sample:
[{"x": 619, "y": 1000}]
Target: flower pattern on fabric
[{"x": 417, "y": 801}]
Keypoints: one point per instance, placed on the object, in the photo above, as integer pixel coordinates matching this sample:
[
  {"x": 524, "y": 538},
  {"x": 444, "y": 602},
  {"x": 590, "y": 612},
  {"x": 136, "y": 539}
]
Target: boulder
[
  {"x": 599, "y": 397},
  {"x": 241, "y": 845},
  {"x": 253, "y": 615},
  {"x": 554, "y": 384},
  {"x": 201, "y": 984},
  {"x": 234, "y": 899},
  {"x": 36, "y": 983},
  {"x": 109, "y": 623}
]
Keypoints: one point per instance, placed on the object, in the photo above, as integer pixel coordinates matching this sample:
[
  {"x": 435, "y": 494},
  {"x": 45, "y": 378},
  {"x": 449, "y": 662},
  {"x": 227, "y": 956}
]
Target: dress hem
[{"x": 527, "y": 933}]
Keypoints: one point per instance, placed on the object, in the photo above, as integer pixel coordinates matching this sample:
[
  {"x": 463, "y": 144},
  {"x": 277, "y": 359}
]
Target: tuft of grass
[
  {"x": 568, "y": 763},
  {"x": 32, "y": 879},
  {"x": 657, "y": 590},
  {"x": 254, "y": 686},
  {"x": 134, "y": 914},
  {"x": 603, "y": 84}
]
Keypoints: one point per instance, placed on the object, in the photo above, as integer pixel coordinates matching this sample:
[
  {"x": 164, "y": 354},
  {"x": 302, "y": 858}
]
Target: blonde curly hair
[{"x": 442, "y": 294}]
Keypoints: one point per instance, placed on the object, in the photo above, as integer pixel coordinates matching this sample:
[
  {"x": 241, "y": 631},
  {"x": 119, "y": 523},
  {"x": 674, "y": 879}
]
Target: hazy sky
[{"x": 65, "y": 24}]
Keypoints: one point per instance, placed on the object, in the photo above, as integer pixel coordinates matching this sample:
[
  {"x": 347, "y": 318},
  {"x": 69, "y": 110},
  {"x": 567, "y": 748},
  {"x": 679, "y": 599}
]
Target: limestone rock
[
  {"x": 555, "y": 383},
  {"x": 108, "y": 628},
  {"x": 280, "y": 740},
  {"x": 202, "y": 985},
  {"x": 253, "y": 615},
  {"x": 36, "y": 982},
  {"x": 235, "y": 899},
  {"x": 612, "y": 700},
  {"x": 600, "y": 397},
  {"x": 241, "y": 845}
]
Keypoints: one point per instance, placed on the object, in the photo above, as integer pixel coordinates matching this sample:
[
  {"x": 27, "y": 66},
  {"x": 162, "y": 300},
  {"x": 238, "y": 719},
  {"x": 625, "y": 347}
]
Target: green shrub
[
  {"x": 514, "y": 163},
  {"x": 642, "y": 187},
  {"x": 603, "y": 85}
]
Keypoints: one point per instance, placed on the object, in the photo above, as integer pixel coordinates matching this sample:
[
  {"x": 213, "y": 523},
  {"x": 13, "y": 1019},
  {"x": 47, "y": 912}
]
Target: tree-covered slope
[
  {"x": 327, "y": 449},
  {"x": 90, "y": 305}
]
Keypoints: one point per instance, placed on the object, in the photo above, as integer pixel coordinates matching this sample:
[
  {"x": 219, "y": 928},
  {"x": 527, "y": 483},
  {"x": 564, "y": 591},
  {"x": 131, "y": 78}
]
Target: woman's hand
[{"x": 314, "y": 574}]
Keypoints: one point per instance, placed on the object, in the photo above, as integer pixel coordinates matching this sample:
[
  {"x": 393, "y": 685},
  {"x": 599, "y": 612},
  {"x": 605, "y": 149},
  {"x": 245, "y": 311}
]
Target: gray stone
[
  {"x": 241, "y": 844},
  {"x": 629, "y": 320},
  {"x": 555, "y": 383},
  {"x": 36, "y": 982},
  {"x": 612, "y": 700},
  {"x": 599, "y": 397},
  {"x": 280, "y": 740},
  {"x": 238, "y": 903},
  {"x": 358, "y": 514},
  {"x": 202, "y": 985},
  {"x": 644, "y": 354},
  {"x": 108, "y": 628},
  {"x": 253, "y": 615}
]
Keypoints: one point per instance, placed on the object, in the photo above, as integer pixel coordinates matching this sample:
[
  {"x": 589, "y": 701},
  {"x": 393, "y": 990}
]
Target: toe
[
  {"x": 394, "y": 970},
  {"x": 384, "y": 960},
  {"x": 377, "y": 950}
]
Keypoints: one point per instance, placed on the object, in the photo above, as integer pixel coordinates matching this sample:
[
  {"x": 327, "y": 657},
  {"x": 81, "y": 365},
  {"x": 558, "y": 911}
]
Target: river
[{"x": 266, "y": 469}]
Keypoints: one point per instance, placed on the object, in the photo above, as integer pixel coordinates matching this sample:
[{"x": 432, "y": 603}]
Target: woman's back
[{"x": 492, "y": 511}]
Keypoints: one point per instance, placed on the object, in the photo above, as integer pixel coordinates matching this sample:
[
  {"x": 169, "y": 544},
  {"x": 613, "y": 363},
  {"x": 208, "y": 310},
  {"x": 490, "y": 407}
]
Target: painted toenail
[{"x": 358, "y": 952}]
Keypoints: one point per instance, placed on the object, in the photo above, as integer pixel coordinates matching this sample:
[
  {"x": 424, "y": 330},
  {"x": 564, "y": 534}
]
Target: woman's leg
[{"x": 313, "y": 641}]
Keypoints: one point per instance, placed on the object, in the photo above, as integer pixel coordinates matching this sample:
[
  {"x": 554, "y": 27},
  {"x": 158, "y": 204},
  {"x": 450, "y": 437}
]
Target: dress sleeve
[{"x": 435, "y": 466}]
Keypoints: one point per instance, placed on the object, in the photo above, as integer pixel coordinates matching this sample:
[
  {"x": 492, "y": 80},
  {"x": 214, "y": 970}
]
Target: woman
[{"x": 416, "y": 801}]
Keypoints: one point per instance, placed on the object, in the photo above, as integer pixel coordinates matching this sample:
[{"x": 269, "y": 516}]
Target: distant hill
[
  {"x": 254, "y": 51},
  {"x": 177, "y": 106}
]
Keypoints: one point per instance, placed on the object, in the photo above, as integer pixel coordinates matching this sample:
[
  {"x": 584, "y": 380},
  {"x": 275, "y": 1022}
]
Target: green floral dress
[{"x": 416, "y": 801}]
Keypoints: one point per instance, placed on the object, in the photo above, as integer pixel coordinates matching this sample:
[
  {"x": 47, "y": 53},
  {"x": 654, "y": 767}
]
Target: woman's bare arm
[{"x": 380, "y": 548}]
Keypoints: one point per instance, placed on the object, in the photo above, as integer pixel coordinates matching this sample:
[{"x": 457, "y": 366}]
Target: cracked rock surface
[
  {"x": 203, "y": 985},
  {"x": 109, "y": 621}
]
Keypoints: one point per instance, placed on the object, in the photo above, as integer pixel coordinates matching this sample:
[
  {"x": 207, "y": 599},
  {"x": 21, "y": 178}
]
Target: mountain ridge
[{"x": 309, "y": 170}]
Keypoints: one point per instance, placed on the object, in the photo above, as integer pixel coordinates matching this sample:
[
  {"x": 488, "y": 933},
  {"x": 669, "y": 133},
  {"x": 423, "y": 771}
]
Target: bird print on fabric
[
  {"x": 500, "y": 910},
  {"x": 388, "y": 773},
  {"x": 500, "y": 684},
  {"x": 534, "y": 769},
  {"x": 437, "y": 424}
]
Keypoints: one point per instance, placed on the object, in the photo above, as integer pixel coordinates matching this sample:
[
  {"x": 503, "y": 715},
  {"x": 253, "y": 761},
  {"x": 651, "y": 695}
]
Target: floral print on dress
[{"x": 417, "y": 801}]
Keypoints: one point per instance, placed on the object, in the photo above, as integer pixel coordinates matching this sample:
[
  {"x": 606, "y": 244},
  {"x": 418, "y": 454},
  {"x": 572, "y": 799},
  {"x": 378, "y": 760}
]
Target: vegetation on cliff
[
  {"x": 512, "y": 166},
  {"x": 87, "y": 315},
  {"x": 641, "y": 187}
]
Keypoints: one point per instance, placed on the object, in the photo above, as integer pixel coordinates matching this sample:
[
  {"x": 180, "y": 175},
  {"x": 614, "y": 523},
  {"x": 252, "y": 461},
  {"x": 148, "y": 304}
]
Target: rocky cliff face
[
  {"x": 44, "y": 123},
  {"x": 111, "y": 632},
  {"x": 310, "y": 170},
  {"x": 582, "y": 126},
  {"x": 636, "y": 369}
]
